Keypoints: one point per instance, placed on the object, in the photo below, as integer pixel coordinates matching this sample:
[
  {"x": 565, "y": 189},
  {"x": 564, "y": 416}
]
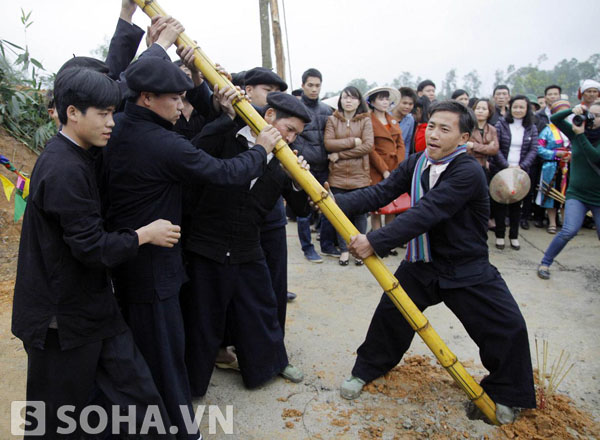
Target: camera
[{"x": 587, "y": 118}]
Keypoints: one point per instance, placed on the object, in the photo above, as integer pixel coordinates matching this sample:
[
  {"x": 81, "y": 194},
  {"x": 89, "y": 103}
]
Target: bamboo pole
[{"x": 338, "y": 219}]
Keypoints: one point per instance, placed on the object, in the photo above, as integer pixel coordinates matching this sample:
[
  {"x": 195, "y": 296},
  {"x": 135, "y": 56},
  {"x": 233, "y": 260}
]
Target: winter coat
[
  {"x": 388, "y": 150},
  {"x": 486, "y": 146},
  {"x": 310, "y": 142},
  {"x": 528, "y": 149},
  {"x": 351, "y": 169}
]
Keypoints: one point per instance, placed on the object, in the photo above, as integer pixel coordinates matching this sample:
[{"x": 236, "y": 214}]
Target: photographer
[{"x": 582, "y": 193}]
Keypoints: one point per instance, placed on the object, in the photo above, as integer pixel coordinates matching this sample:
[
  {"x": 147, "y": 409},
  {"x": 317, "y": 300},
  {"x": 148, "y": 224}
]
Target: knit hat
[
  {"x": 585, "y": 85},
  {"x": 559, "y": 106}
]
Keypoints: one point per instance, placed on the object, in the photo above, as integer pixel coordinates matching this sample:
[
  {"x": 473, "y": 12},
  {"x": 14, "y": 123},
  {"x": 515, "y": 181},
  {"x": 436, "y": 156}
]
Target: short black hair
[
  {"x": 85, "y": 63},
  {"x": 501, "y": 87},
  {"x": 466, "y": 118},
  {"x": 297, "y": 92},
  {"x": 353, "y": 91},
  {"x": 312, "y": 72},
  {"x": 459, "y": 92},
  {"x": 553, "y": 86},
  {"x": 424, "y": 84},
  {"x": 84, "y": 88},
  {"x": 407, "y": 92},
  {"x": 49, "y": 99},
  {"x": 529, "y": 116}
]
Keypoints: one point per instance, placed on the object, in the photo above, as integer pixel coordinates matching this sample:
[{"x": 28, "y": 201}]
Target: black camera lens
[{"x": 578, "y": 120}]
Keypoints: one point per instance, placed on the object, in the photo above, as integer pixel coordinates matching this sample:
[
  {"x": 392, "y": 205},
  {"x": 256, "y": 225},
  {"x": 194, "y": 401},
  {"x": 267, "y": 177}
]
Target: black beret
[
  {"x": 238, "y": 78},
  {"x": 260, "y": 75},
  {"x": 157, "y": 75},
  {"x": 288, "y": 104},
  {"x": 85, "y": 62}
]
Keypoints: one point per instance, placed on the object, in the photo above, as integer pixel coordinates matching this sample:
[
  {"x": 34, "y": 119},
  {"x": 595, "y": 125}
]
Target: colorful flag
[
  {"x": 20, "y": 205},
  {"x": 8, "y": 187}
]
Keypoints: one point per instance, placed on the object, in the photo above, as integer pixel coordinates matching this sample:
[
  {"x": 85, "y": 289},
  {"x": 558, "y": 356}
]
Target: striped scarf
[{"x": 418, "y": 248}]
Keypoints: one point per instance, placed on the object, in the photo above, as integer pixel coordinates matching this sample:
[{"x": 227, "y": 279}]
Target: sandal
[
  {"x": 551, "y": 230},
  {"x": 359, "y": 262}
]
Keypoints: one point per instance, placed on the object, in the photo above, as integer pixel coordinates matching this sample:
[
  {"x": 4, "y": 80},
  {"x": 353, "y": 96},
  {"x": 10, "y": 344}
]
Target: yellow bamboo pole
[{"x": 338, "y": 219}]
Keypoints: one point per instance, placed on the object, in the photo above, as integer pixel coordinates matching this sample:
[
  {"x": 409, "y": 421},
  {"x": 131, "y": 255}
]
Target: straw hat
[
  {"x": 394, "y": 94},
  {"x": 510, "y": 185},
  {"x": 332, "y": 101}
]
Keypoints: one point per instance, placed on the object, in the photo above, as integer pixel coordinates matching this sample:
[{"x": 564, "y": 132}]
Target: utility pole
[
  {"x": 265, "y": 34},
  {"x": 275, "y": 23}
]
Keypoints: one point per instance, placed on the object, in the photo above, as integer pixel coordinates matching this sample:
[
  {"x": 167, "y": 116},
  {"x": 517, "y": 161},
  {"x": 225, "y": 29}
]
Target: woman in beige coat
[{"x": 349, "y": 140}]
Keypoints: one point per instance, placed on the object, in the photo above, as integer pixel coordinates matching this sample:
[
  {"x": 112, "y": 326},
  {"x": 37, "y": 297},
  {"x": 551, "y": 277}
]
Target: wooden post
[
  {"x": 265, "y": 34},
  {"x": 275, "y": 23}
]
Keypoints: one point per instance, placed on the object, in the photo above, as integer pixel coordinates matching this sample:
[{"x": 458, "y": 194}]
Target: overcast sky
[{"x": 372, "y": 39}]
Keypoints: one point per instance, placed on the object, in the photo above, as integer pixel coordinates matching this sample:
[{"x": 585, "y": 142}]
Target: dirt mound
[{"x": 434, "y": 404}]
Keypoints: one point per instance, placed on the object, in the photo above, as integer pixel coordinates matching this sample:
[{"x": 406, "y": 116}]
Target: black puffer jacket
[{"x": 310, "y": 143}]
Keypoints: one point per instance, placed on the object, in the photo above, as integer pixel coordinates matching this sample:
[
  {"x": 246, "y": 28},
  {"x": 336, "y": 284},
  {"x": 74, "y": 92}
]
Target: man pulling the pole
[
  {"x": 230, "y": 283},
  {"x": 447, "y": 260}
]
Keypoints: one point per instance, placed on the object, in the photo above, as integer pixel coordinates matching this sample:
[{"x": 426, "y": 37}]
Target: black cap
[
  {"x": 87, "y": 63},
  {"x": 288, "y": 104},
  {"x": 157, "y": 75},
  {"x": 260, "y": 75},
  {"x": 238, "y": 78}
]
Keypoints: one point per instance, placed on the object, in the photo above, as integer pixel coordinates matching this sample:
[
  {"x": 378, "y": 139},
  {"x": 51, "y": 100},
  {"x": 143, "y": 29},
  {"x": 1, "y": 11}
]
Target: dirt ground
[{"x": 417, "y": 399}]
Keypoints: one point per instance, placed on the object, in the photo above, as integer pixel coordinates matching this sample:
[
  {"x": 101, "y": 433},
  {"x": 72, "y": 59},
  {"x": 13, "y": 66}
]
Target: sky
[{"x": 375, "y": 39}]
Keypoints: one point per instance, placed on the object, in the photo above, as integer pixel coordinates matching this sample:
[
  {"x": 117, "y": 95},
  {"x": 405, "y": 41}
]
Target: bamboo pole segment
[{"x": 338, "y": 219}]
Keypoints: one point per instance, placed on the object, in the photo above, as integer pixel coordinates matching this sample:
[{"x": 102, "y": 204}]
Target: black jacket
[
  {"x": 146, "y": 165},
  {"x": 310, "y": 143},
  {"x": 226, "y": 221},
  {"x": 64, "y": 252},
  {"x": 528, "y": 149},
  {"x": 455, "y": 213},
  {"x": 122, "y": 48}
]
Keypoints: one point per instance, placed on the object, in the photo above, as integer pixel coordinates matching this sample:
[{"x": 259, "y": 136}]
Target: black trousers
[
  {"x": 239, "y": 297},
  {"x": 158, "y": 332},
  {"x": 514, "y": 216},
  {"x": 71, "y": 377},
  {"x": 488, "y": 312},
  {"x": 274, "y": 246}
]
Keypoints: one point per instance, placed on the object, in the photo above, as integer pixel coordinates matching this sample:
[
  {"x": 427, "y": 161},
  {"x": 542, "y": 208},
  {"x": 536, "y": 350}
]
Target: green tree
[
  {"x": 448, "y": 85},
  {"x": 405, "y": 79},
  {"x": 472, "y": 83},
  {"x": 362, "y": 84},
  {"x": 22, "y": 101},
  {"x": 101, "y": 52},
  {"x": 567, "y": 73}
]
